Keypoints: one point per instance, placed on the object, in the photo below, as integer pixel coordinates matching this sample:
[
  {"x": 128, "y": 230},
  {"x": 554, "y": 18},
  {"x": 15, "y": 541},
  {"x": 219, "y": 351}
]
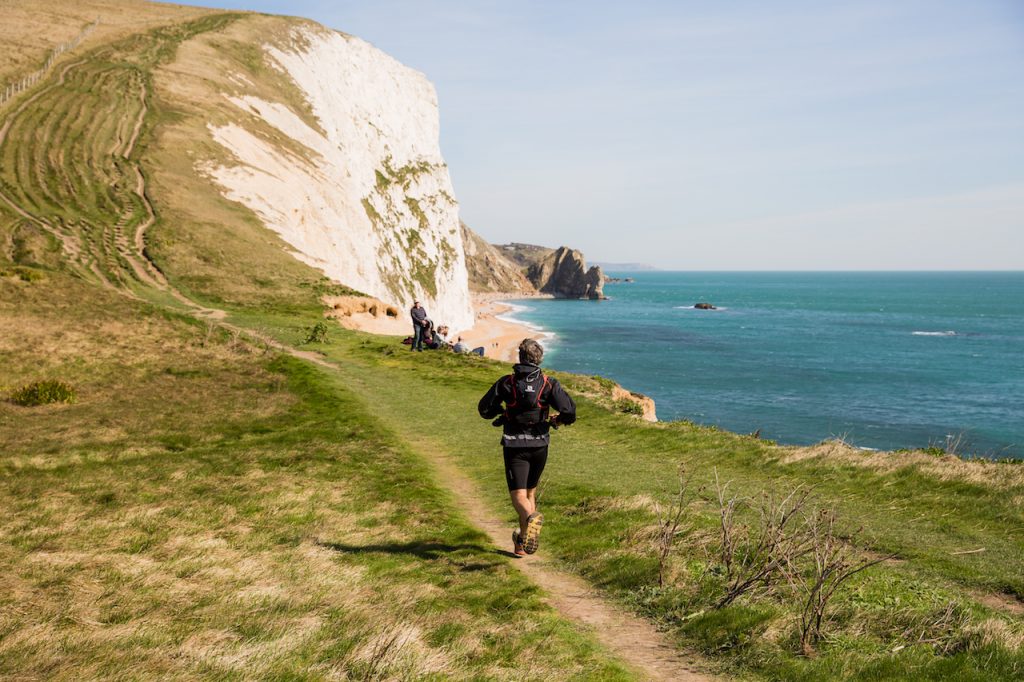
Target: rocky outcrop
[
  {"x": 346, "y": 306},
  {"x": 646, "y": 404},
  {"x": 704, "y": 306},
  {"x": 564, "y": 274},
  {"x": 489, "y": 270},
  {"x": 356, "y": 186}
]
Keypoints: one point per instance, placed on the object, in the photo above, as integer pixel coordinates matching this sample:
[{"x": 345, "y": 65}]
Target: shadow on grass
[{"x": 431, "y": 551}]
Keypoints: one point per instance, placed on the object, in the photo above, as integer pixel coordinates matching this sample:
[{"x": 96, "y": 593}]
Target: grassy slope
[
  {"x": 192, "y": 466},
  {"x": 209, "y": 508}
]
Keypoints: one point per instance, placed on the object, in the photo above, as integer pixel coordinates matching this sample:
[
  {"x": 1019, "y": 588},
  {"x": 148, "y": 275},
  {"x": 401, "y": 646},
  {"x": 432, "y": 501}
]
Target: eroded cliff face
[{"x": 366, "y": 197}]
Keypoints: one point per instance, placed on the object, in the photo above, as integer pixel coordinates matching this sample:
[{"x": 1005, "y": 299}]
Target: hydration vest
[{"x": 528, "y": 405}]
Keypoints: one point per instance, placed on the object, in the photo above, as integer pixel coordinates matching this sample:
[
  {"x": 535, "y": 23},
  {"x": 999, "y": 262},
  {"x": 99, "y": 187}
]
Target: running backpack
[{"x": 528, "y": 405}]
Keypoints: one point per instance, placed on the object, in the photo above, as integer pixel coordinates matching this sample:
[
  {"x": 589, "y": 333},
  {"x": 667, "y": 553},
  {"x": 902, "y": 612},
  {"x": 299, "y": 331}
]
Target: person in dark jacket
[
  {"x": 419, "y": 324},
  {"x": 521, "y": 402}
]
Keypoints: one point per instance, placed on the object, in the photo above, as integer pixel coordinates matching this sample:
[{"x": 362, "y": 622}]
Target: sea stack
[{"x": 564, "y": 274}]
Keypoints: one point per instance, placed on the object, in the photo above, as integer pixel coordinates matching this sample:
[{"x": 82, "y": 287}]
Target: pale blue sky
[{"x": 725, "y": 135}]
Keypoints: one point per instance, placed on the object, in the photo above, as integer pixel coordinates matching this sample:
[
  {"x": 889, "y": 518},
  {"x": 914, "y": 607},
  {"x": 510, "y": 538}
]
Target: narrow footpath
[{"x": 634, "y": 640}]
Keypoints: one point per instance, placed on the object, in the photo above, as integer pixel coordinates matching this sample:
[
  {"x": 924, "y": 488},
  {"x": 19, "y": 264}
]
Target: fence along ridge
[{"x": 31, "y": 79}]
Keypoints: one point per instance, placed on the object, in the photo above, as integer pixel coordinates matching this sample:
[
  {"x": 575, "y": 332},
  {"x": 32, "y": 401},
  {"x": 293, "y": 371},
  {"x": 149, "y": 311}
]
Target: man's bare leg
[
  {"x": 525, "y": 504},
  {"x": 531, "y": 495}
]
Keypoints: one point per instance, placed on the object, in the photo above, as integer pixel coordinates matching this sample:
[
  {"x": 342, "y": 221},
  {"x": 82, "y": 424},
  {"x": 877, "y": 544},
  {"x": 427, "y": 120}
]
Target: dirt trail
[{"x": 633, "y": 639}]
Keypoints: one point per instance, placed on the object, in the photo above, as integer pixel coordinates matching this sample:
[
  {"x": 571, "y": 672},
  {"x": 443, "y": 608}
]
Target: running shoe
[
  {"x": 517, "y": 543},
  {"x": 532, "y": 539}
]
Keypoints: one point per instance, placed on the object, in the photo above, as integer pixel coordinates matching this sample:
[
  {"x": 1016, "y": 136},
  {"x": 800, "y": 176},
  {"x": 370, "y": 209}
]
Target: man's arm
[
  {"x": 563, "y": 403},
  {"x": 490, "y": 405}
]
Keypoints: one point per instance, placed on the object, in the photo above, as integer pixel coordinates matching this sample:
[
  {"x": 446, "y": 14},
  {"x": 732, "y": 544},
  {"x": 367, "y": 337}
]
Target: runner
[{"x": 520, "y": 401}]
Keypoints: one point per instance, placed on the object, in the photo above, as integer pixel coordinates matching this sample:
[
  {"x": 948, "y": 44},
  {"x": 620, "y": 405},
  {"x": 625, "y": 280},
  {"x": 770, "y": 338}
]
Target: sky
[{"x": 729, "y": 135}]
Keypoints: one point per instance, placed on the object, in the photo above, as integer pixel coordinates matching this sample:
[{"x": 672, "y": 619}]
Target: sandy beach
[{"x": 499, "y": 337}]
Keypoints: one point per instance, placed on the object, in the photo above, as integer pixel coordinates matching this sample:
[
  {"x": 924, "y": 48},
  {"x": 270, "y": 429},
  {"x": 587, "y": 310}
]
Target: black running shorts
[{"x": 523, "y": 466}]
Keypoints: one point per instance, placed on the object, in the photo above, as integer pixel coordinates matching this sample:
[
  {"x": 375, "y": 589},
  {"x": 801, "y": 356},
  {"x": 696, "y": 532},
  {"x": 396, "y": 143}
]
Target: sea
[{"x": 883, "y": 360}]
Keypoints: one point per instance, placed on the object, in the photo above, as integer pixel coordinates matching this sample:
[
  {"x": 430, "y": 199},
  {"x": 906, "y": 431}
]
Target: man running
[
  {"x": 419, "y": 324},
  {"x": 520, "y": 401}
]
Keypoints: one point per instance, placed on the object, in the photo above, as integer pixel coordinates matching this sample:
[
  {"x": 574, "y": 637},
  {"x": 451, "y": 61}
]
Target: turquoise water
[{"x": 884, "y": 360}]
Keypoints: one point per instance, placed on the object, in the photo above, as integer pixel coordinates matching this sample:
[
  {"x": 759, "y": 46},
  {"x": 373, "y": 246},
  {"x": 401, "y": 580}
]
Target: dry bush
[
  {"x": 757, "y": 558},
  {"x": 669, "y": 518},
  {"x": 833, "y": 562}
]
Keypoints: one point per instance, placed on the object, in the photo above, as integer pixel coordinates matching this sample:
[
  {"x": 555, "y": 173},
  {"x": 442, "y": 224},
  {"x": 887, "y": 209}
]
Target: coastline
[{"x": 493, "y": 329}]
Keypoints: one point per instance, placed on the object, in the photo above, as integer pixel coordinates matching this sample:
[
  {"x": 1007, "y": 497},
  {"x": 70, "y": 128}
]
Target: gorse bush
[{"x": 43, "y": 393}]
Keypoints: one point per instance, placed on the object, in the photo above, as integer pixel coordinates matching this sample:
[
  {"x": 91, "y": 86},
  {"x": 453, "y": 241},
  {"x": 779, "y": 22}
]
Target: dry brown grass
[
  {"x": 156, "y": 530},
  {"x": 30, "y": 29},
  {"x": 987, "y": 473},
  {"x": 135, "y": 375}
]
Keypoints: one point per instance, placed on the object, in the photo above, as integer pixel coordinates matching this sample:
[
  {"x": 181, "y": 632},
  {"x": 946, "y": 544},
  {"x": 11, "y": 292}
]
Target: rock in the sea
[
  {"x": 564, "y": 274},
  {"x": 704, "y": 306}
]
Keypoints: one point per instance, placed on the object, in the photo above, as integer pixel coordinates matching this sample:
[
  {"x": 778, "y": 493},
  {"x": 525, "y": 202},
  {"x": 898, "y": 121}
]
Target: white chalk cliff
[{"x": 372, "y": 204}]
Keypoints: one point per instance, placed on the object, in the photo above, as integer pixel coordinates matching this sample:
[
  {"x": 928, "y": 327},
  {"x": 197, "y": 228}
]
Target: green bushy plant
[
  {"x": 629, "y": 407},
  {"x": 316, "y": 334},
  {"x": 43, "y": 393}
]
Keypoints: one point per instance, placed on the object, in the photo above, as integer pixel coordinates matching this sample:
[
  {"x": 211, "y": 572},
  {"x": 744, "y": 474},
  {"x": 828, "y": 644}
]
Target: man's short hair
[{"x": 530, "y": 352}]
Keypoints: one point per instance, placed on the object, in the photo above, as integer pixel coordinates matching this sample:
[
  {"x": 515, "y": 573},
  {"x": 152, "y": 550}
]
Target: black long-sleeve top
[{"x": 524, "y": 426}]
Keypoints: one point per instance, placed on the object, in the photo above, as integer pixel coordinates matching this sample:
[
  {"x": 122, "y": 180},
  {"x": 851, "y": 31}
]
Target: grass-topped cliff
[{"x": 220, "y": 498}]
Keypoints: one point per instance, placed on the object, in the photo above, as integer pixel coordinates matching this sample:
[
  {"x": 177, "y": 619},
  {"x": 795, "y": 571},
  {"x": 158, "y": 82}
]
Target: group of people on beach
[
  {"x": 521, "y": 403},
  {"x": 426, "y": 335}
]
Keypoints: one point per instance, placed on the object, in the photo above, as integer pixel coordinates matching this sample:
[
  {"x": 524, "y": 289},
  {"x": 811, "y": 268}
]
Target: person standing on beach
[
  {"x": 520, "y": 401},
  {"x": 419, "y": 324}
]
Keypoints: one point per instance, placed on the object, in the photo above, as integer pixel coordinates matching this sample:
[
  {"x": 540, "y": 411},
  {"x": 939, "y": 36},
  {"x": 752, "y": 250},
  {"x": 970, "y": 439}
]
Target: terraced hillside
[{"x": 69, "y": 162}]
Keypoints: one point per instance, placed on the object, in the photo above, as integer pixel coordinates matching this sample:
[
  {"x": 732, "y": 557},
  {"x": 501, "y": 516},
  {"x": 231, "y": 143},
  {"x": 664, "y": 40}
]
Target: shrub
[
  {"x": 629, "y": 407},
  {"x": 43, "y": 393},
  {"x": 316, "y": 334}
]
